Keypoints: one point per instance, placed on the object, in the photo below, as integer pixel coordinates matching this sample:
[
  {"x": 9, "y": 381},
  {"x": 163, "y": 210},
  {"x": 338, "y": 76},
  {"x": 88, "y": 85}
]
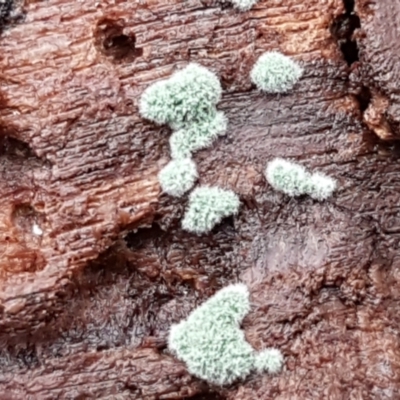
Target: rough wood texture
[
  {"x": 86, "y": 307},
  {"x": 379, "y": 68},
  {"x": 118, "y": 374}
]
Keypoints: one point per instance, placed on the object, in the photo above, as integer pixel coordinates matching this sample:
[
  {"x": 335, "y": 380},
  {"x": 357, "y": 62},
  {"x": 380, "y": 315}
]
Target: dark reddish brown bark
[
  {"x": 123, "y": 373},
  {"x": 86, "y": 307},
  {"x": 379, "y": 69}
]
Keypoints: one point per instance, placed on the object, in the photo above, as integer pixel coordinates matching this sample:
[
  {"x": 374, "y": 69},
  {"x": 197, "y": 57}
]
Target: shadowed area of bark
[{"x": 95, "y": 266}]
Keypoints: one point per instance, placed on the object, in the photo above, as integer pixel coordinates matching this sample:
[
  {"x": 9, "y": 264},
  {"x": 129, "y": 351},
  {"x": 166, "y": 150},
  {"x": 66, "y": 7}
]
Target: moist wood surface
[{"x": 85, "y": 307}]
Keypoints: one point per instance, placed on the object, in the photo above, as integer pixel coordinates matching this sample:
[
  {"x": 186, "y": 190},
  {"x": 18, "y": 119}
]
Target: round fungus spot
[
  {"x": 178, "y": 176},
  {"x": 275, "y": 73}
]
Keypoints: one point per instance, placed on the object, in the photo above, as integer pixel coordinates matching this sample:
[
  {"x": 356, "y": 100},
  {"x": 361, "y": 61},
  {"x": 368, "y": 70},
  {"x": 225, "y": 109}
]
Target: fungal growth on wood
[
  {"x": 275, "y": 73},
  {"x": 187, "y": 103},
  {"x": 188, "y": 98},
  {"x": 244, "y": 5},
  {"x": 116, "y": 226},
  {"x": 212, "y": 344},
  {"x": 198, "y": 135},
  {"x": 208, "y": 206},
  {"x": 294, "y": 180},
  {"x": 178, "y": 176}
]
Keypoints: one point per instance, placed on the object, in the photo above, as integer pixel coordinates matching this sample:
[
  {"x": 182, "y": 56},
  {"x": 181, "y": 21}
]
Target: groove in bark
[
  {"x": 343, "y": 29},
  {"x": 112, "y": 42}
]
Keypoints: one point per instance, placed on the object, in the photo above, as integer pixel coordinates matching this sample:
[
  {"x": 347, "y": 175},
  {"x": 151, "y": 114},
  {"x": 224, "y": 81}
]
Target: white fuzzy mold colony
[
  {"x": 212, "y": 344},
  {"x": 294, "y": 180},
  {"x": 275, "y": 73},
  {"x": 208, "y": 206},
  {"x": 178, "y": 176},
  {"x": 187, "y": 103},
  {"x": 244, "y": 5}
]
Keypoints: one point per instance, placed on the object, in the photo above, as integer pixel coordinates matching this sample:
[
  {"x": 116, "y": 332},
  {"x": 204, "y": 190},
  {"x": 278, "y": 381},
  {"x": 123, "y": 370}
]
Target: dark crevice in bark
[
  {"x": 206, "y": 396},
  {"x": 222, "y": 4},
  {"x": 364, "y": 97},
  {"x": 12, "y": 147},
  {"x": 137, "y": 239},
  {"x": 342, "y": 30},
  {"x": 15, "y": 153},
  {"x": 110, "y": 40},
  {"x": 11, "y": 12},
  {"x": 5, "y": 9}
]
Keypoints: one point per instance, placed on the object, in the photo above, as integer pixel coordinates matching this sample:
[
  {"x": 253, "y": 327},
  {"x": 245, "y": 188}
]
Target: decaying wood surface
[{"x": 85, "y": 307}]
